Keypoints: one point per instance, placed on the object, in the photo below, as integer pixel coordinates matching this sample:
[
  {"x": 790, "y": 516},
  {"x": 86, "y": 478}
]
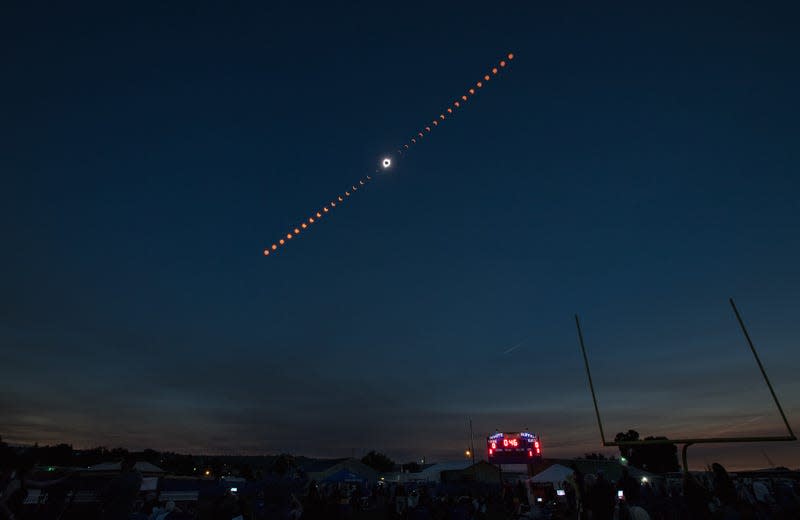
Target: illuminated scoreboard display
[{"x": 513, "y": 448}]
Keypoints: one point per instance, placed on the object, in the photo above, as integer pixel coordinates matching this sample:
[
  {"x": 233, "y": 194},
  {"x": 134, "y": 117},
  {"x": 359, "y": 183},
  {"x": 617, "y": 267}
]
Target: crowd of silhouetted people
[{"x": 710, "y": 495}]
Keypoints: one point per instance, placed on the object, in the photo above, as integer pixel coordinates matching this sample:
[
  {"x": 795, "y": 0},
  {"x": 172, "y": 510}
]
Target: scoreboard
[{"x": 513, "y": 448}]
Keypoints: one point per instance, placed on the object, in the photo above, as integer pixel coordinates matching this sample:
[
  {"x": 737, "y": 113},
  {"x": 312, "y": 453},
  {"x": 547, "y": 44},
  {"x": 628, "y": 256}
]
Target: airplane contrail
[{"x": 515, "y": 347}]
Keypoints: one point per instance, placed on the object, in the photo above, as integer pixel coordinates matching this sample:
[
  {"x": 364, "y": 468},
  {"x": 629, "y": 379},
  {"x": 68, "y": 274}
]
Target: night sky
[{"x": 635, "y": 165}]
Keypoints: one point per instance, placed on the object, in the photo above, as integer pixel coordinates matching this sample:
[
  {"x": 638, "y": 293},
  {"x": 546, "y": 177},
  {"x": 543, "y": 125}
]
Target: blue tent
[{"x": 344, "y": 475}]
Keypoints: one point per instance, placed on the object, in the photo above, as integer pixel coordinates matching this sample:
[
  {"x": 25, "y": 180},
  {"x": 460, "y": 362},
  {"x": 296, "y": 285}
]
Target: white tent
[{"x": 555, "y": 474}]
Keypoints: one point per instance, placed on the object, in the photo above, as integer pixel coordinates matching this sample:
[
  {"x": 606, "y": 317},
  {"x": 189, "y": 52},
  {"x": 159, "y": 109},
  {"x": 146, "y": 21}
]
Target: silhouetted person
[
  {"x": 629, "y": 487},
  {"x": 120, "y": 495},
  {"x": 227, "y": 506},
  {"x": 461, "y": 510},
  {"x": 295, "y": 508},
  {"x": 165, "y": 513},
  {"x": 696, "y": 498},
  {"x": 725, "y": 492},
  {"x": 601, "y": 499},
  {"x": 521, "y": 493},
  {"x": 580, "y": 490},
  {"x": 400, "y": 501},
  {"x": 314, "y": 506},
  {"x": 787, "y": 499}
]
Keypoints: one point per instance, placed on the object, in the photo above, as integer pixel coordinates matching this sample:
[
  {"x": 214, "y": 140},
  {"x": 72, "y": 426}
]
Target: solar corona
[{"x": 387, "y": 162}]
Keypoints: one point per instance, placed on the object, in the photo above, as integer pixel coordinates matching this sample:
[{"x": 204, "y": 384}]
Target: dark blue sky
[{"x": 637, "y": 165}]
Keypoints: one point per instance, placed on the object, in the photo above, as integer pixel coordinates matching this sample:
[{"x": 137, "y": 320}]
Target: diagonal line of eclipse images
[{"x": 386, "y": 162}]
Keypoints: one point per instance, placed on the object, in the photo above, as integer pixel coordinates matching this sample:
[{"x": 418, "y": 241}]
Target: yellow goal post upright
[{"x": 689, "y": 441}]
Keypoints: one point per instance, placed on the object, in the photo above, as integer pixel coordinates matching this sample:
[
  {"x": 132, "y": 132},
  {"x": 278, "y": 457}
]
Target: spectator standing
[
  {"x": 120, "y": 495},
  {"x": 601, "y": 498},
  {"x": 725, "y": 493}
]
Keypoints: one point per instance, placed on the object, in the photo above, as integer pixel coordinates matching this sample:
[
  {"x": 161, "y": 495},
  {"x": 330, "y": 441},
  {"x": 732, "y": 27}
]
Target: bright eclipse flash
[{"x": 386, "y": 162}]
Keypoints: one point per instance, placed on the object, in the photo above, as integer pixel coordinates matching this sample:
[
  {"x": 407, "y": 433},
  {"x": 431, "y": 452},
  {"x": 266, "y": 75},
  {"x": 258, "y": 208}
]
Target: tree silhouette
[
  {"x": 283, "y": 463},
  {"x": 594, "y": 456},
  {"x": 656, "y": 458},
  {"x": 626, "y": 451},
  {"x": 378, "y": 461}
]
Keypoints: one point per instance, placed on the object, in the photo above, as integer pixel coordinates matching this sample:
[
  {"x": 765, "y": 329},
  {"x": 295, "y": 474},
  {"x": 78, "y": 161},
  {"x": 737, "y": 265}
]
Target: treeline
[{"x": 65, "y": 456}]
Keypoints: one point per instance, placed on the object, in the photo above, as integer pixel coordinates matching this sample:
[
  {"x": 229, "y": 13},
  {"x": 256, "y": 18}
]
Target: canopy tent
[
  {"x": 345, "y": 476},
  {"x": 322, "y": 471},
  {"x": 612, "y": 470},
  {"x": 141, "y": 466},
  {"x": 556, "y": 474}
]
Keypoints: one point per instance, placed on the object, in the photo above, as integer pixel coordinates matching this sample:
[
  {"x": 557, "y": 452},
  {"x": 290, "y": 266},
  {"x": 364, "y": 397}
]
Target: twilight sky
[{"x": 636, "y": 166}]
